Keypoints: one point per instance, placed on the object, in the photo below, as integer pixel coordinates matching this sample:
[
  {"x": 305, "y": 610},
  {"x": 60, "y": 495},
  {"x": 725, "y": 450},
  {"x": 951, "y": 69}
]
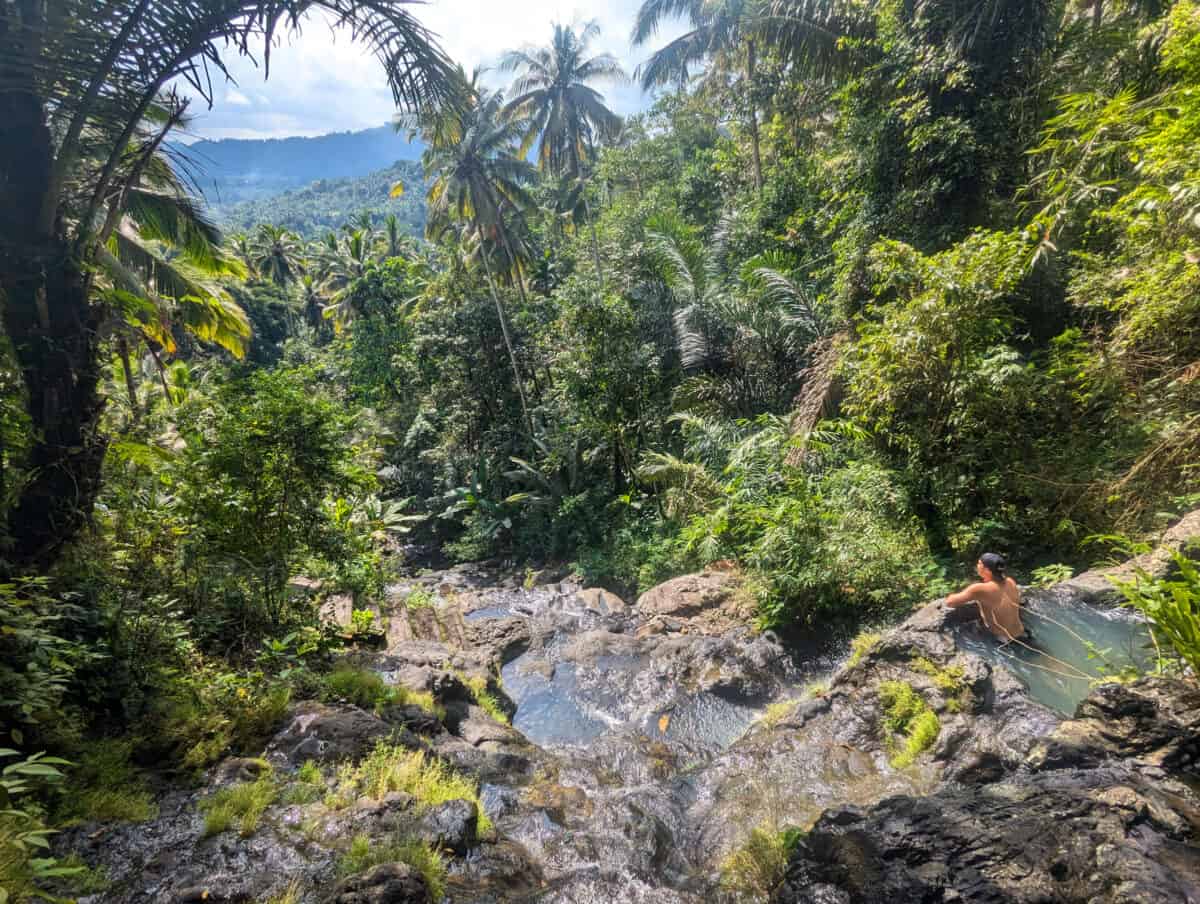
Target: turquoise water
[{"x": 1075, "y": 645}]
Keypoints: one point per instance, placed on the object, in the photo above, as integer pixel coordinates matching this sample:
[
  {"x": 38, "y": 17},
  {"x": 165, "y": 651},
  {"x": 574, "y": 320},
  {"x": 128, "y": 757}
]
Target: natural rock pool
[{"x": 1076, "y": 644}]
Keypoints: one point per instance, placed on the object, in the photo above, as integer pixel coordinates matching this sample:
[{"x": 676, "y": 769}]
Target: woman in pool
[{"x": 998, "y": 598}]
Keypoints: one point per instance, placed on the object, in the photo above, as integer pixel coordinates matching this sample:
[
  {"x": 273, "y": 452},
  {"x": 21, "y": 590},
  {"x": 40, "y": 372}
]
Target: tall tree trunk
[
  {"x": 587, "y": 212},
  {"x": 751, "y": 67},
  {"x": 512, "y": 355},
  {"x": 130, "y": 385},
  {"x": 53, "y": 329},
  {"x": 44, "y": 288},
  {"x": 1097, "y": 13}
]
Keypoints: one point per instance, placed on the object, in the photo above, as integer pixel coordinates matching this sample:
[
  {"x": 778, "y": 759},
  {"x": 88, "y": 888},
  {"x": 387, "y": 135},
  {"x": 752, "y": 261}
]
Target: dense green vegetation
[
  {"x": 327, "y": 204},
  {"x": 870, "y": 287}
]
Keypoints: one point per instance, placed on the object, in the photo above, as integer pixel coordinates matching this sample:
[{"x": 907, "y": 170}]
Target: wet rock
[
  {"x": 503, "y": 639},
  {"x": 1052, "y": 837},
  {"x": 388, "y": 883},
  {"x": 709, "y": 602},
  {"x": 450, "y": 826},
  {"x": 1153, "y": 721},
  {"x": 316, "y": 731},
  {"x": 480, "y": 730}
]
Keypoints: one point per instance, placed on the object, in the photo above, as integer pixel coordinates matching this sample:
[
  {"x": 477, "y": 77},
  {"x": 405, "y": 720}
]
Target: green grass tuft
[
  {"x": 367, "y": 690},
  {"x": 776, "y": 712},
  {"x": 363, "y": 854},
  {"x": 923, "y": 732},
  {"x": 310, "y": 773},
  {"x": 484, "y": 698},
  {"x": 754, "y": 871},
  {"x": 393, "y": 768},
  {"x": 106, "y": 787},
  {"x": 907, "y": 714},
  {"x": 491, "y": 705},
  {"x": 860, "y": 646},
  {"x": 241, "y": 806}
]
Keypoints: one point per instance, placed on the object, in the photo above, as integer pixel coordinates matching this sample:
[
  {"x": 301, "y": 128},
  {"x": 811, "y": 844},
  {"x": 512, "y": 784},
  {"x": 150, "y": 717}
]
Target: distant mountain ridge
[
  {"x": 233, "y": 170},
  {"x": 325, "y": 205}
]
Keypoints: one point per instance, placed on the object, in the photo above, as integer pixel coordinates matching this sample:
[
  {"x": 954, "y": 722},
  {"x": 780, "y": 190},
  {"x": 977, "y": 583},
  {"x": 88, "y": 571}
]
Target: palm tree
[
  {"x": 720, "y": 31},
  {"x": 478, "y": 178},
  {"x": 160, "y": 265},
  {"x": 393, "y": 233},
  {"x": 806, "y": 33},
  {"x": 741, "y": 336},
  {"x": 77, "y": 80},
  {"x": 276, "y": 255},
  {"x": 564, "y": 114},
  {"x": 341, "y": 268}
]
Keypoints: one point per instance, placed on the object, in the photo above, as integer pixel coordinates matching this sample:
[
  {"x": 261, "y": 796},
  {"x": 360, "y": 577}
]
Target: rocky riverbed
[{"x": 650, "y": 738}]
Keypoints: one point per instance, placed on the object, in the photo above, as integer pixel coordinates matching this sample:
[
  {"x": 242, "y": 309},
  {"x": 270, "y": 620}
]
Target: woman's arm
[{"x": 962, "y": 598}]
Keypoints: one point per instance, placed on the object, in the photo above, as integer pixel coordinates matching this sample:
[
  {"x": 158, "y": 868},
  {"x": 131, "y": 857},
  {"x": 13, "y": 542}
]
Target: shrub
[
  {"x": 1172, "y": 604},
  {"x": 420, "y": 599},
  {"x": 361, "y": 687},
  {"x": 754, "y": 871},
  {"x": 210, "y": 713},
  {"x": 363, "y": 854},
  {"x": 241, "y": 805},
  {"x": 362, "y": 623}
]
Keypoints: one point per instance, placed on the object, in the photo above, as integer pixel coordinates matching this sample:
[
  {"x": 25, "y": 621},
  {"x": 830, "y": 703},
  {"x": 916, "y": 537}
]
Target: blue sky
[{"x": 322, "y": 82}]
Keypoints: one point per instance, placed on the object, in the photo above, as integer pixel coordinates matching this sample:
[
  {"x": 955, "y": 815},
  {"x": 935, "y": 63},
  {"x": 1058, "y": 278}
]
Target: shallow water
[{"x": 1075, "y": 645}]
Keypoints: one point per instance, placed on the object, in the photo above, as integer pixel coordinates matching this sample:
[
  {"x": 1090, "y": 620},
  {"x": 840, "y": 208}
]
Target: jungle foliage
[{"x": 869, "y": 288}]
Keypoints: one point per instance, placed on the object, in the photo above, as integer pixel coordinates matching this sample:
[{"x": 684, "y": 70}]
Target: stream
[{"x": 646, "y": 742}]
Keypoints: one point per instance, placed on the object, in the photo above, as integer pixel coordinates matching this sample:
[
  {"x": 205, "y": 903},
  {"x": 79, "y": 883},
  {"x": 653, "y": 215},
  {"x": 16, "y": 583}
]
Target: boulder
[
  {"x": 1087, "y": 836},
  {"x": 388, "y": 883},
  {"x": 239, "y": 769},
  {"x": 502, "y": 639},
  {"x": 603, "y": 602},
  {"x": 415, "y": 718},
  {"x": 1152, "y": 722},
  {"x": 316, "y": 731},
  {"x": 709, "y": 602},
  {"x": 450, "y": 826}
]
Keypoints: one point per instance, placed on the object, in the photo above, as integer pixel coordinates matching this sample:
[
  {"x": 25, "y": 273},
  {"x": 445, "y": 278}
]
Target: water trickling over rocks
[{"x": 637, "y": 760}]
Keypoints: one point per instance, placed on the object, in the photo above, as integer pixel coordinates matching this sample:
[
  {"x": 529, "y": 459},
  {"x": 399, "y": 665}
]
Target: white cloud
[{"x": 321, "y": 81}]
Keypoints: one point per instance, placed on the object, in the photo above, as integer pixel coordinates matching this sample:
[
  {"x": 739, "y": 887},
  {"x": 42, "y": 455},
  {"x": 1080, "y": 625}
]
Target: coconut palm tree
[
  {"x": 478, "y": 178},
  {"x": 729, "y": 33},
  {"x": 276, "y": 255},
  {"x": 77, "y": 78},
  {"x": 720, "y": 31},
  {"x": 340, "y": 270},
  {"x": 565, "y": 116}
]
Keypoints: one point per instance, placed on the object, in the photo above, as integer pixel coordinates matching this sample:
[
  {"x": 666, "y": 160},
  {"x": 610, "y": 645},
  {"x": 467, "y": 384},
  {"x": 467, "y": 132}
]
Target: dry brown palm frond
[{"x": 820, "y": 392}]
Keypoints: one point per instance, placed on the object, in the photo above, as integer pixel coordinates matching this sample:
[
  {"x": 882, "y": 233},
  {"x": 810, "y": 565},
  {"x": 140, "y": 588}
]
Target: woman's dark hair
[{"x": 994, "y": 563}]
